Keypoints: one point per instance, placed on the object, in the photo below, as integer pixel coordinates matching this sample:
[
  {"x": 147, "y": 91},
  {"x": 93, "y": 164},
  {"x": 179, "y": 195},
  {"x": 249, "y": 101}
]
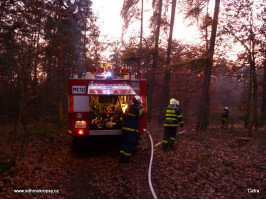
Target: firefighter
[
  {"x": 225, "y": 117},
  {"x": 173, "y": 118},
  {"x": 130, "y": 129},
  {"x": 141, "y": 113}
]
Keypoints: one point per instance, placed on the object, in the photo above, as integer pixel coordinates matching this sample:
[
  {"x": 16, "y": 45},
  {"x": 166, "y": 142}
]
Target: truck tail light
[{"x": 80, "y": 132}]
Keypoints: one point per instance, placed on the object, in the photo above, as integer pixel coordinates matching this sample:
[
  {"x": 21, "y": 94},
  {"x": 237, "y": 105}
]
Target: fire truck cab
[{"x": 97, "y": 101}]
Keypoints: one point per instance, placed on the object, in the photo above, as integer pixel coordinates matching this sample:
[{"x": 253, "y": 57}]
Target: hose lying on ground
[
  {"x": 150, "y": 165},
  {"x": 161, "y": 142}
]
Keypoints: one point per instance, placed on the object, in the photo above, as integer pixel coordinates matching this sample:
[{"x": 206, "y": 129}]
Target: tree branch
[{"x": 237, "y": 38}]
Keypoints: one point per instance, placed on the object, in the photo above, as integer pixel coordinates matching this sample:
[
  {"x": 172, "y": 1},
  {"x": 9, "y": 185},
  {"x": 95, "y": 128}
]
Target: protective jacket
[
  {"x": 225, "y": 114},
  {"x": 130, "y": 131},
  {"x": 131, "y": 118},
  {"x": 173, "y": 117}
]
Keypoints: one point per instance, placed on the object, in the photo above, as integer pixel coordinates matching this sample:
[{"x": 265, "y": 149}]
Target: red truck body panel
[{"x": 94, "y": 104}]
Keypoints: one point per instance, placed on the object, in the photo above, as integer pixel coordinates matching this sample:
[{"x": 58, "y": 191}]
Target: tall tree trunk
[
  {"x": 253, "y": 119},
  {"x": 167, "y": 73},
  {"x": 141, "y": 26},
  {"x": 263, "y": 104},
  {"x": 169, "y": 48},
  {"x": 59, "y": 72},
  {"x": 140, "y": 39},
  {"x": 203, "y": 109},
  {"x": 250, "y": 106},
  {"x": 248, "y": 103},
  {"x": 155, "y": 60},
  {"x": 255, "y": 95},
  {"x": 37, "y": 55},
  {"x": 206, "y": 28}
]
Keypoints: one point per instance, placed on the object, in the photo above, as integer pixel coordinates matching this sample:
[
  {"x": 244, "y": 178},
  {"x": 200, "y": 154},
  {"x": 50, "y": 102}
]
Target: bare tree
[
  {"x": 167, "y": 73},
  {"x": 158, "y": 12},
  {"x": 242, "y": 24},
  {"x": 203, "y": 109}
]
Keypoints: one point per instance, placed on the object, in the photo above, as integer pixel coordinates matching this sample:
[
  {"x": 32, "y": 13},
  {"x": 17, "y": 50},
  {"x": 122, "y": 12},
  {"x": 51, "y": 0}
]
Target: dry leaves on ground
[{"x": 208, "y": 165}]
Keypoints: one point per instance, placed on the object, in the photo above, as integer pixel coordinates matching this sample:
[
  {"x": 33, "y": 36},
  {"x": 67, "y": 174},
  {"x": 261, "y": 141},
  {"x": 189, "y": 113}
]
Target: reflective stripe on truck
[{"x": 70, "y": 104}]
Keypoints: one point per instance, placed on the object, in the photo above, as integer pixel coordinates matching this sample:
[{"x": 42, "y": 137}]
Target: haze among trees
[{"x": 43, "y": 42}]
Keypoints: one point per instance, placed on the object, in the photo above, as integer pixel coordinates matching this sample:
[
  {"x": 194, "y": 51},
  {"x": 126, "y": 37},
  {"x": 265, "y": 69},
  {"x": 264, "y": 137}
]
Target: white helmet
[
  {"x": 138, "y": 99},
  {"x": 226, "y": 108},
  {"x": 177, "y": 102},
  {"x": 173, "y": 101}
]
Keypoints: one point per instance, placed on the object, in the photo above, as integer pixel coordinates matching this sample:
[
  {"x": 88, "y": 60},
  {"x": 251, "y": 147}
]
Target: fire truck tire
[{"x": 76, "y": 143}]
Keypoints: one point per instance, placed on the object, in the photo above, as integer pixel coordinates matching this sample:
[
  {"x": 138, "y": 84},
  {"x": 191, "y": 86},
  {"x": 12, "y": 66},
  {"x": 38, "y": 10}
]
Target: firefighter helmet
[
  {"x": 177, "y": 102},
  {"x": 226, "y": 108},
  {"x": 136, "y": 100},
  {"x": 173, "y": 101}
]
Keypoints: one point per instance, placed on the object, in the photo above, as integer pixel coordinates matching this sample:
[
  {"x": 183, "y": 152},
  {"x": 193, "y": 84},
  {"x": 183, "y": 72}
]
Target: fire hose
[
  {"x": 161, "y": 142},
  {"x": 151, "y": 159},
  {"x": 150, "y": 165}
]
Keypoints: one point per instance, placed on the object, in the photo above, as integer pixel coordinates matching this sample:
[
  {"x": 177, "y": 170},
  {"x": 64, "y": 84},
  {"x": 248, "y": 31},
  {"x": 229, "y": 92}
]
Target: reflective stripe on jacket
[
  {"x": 173, "y": 117},
  {"x": 225, "y": 114},
  {"x": 131, "y": 118}
]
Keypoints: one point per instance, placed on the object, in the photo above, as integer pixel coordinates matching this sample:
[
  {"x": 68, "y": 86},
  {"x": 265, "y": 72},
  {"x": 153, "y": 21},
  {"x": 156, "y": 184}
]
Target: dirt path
[{"x": 97, "y": 173}]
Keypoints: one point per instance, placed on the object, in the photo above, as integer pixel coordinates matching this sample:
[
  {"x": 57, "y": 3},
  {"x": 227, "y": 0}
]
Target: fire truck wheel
[{"x": 76, "y": 143}]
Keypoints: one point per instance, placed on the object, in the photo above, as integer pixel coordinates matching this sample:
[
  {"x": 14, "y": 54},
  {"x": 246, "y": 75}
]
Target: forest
[{"x": 44, "y": 42}]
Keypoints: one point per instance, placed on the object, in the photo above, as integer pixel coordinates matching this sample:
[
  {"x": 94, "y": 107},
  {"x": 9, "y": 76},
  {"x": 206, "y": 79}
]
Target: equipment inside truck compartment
[{"x": 106, "y": 112}]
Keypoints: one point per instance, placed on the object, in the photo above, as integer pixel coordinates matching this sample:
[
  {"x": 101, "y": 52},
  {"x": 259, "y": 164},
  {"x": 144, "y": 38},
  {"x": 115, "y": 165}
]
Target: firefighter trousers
[
  {"x": 169, "y": 137},
  {"x": 225, "y": 123},
  {"x": 129, "y": 141}
]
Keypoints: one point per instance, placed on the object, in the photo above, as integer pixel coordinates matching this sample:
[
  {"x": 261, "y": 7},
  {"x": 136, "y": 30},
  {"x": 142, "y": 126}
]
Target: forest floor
[{"x": 211, "y": 164}]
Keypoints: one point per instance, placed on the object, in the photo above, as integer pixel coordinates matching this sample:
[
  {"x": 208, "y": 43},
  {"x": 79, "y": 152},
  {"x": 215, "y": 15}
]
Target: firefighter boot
[
  {"x": 171, "y": 143},
  {"x": 123, "y": 158}
]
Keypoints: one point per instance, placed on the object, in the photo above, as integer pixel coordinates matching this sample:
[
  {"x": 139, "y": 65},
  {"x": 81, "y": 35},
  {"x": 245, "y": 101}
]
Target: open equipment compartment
[
  {"x": 96, "y": 102},
  {"x": 106, "y": 112}
]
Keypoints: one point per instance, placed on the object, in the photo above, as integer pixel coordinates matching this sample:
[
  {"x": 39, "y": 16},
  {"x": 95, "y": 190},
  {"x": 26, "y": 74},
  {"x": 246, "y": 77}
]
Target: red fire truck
[{"x": 97, "y": 100}]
